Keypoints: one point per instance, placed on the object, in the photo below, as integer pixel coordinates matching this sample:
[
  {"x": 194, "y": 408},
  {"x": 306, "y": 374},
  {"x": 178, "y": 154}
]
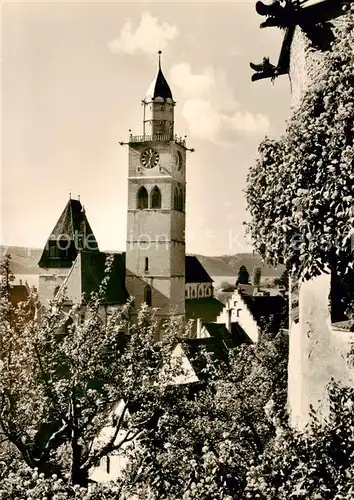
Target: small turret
[{"x": 158, "y": 107}]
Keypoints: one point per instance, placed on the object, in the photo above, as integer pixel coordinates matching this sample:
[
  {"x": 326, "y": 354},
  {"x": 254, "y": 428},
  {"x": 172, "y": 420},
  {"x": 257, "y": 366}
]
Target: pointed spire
[{"x": 159, "y": 86}]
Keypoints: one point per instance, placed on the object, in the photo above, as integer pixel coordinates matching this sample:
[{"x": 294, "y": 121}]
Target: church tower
[{"x": 155, "y": 253}]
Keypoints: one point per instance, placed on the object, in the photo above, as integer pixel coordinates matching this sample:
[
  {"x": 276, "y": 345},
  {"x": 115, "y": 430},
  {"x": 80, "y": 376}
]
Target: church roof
[
  {"x": 89, "y": 273},
  {"x": 159, "y": 86},
  {"x": 195, "y": 272},
  {"x": 74, "y": 228},
  {"x": 237, "y": 336}
]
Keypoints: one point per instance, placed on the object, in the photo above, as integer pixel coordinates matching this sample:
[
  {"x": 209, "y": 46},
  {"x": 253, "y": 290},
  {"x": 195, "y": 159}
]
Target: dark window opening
[
  {"x": 148, "y": 295},
  {"x": 54, "y": 252},
  {"x": 142, "y": 198},
  {"x": 180, "y": 200},
  {"x": 175, "y": 199},
  {"x": 146, "y": 264},
  {"x": 156, "y": 198}
]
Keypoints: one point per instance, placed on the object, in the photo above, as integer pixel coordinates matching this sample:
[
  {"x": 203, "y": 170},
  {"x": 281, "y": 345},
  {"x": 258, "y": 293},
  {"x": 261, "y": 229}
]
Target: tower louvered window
[
  {"x": 175, "y": 199},
  {"x": 142, "y": 199},
  {"x": 180, "y": 200},
  {"x": 156, "y": 198}
]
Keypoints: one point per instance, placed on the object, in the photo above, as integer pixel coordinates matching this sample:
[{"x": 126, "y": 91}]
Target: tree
[
  {"x": 243, "y": 276},
  {"x": 317, "y": 463},
  {"x": 60, "y": 379},
  {"x": 300, "y": 192},
  {"x": 257, "y": 274},
  {"x": 283, "y": 281},
  {"x": 213, "y": 432}
]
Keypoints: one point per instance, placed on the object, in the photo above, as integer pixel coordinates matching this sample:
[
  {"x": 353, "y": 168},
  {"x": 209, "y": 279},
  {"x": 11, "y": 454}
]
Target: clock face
[
  {"x": 149, "y": 158},
  {"x": 179, "y": 160}
]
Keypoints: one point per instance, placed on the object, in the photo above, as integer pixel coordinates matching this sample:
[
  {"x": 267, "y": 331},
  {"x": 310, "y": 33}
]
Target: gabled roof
[
  {"x": 88, "y": 276},
  {"x": 195, "y": 272},
  {"x": 73, "y": 232},
  {"x": 92, "y": 272},
  {"x": 269, "y": 310},
  {"x": 236, "y": 337}
]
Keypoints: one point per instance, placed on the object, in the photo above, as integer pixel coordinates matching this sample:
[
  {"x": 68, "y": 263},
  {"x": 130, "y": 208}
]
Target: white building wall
[{"x": 240, "y": 314}]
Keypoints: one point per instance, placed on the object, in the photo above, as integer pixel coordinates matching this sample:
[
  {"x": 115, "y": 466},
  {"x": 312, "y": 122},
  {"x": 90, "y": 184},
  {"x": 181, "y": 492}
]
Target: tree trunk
[{"x": 78, "y": 475}]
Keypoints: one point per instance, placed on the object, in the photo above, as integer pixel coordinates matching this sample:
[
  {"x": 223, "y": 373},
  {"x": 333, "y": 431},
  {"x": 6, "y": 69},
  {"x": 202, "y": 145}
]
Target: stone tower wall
[
  {"x": 317, "y": 351},
  {"x": 156, "y": 237}
]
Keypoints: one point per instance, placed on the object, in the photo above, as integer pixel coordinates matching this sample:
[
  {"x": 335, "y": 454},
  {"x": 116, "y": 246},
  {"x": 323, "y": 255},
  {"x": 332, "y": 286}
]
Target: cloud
[
  {"x": 211, "y": 109},
  {"x": 148, "y": 37},
  {"x": 192, "y": 84}
]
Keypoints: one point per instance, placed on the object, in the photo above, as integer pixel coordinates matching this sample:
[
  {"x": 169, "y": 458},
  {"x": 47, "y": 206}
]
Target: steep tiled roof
[
  {"x": 91, "y": 271},
  {"x": 73, "y": 232},
  {"x": 195, "y": 272}
]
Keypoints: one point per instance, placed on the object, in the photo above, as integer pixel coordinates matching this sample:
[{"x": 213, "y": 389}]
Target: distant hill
[
  {"x": 229, "y": 265},
  {"x": 24, "y": 261}
]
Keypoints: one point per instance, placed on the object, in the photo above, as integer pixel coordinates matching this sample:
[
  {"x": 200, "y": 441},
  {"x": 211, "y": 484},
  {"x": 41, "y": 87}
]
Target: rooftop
[{"x": 159, "y": 86}]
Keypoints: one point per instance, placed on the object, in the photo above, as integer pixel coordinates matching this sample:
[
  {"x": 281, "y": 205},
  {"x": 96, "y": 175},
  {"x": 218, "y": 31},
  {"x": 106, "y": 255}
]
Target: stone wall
[{"x": 49, "y": 282}]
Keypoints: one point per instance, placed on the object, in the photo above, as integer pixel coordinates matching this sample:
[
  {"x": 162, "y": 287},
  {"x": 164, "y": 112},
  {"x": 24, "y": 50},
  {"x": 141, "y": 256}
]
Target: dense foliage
[
  {"x": 61, "y": 378},
  {"x": 207, "y": 441},
  {"x": 316, "y": 464},
  {"x": 300, "y": 192}
]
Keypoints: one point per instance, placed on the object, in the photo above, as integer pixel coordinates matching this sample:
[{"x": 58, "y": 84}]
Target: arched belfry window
[
  {"x": 147, "y": 295},
  {"x": 175, "y": 199},
  {"x": 180, "y": 200},
  {"x": 142, "y": 198},
  {"x": 156, "y": 198}
]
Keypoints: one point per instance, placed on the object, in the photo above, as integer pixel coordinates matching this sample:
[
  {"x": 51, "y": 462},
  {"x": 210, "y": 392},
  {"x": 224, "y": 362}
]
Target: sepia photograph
[{"x": 177, "y": 250}]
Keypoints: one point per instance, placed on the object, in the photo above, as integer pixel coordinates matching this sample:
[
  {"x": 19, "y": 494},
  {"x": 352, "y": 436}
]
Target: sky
[{"x": 73, "y": 77}]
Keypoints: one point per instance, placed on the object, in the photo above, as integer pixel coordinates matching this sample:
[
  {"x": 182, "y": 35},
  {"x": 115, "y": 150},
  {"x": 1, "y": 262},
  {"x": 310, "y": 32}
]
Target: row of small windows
[
  {"x": 198, "y": 292},
  {"x": 143, "y": 198},
  {"x": 156, "y": 199}
]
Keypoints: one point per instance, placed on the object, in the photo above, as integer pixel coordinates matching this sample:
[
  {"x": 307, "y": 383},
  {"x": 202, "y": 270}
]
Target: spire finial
[
  {"x": 159, "y": 53},
  {"x": 78, "y": 197},
  {"x": 69, "y": 195}
]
